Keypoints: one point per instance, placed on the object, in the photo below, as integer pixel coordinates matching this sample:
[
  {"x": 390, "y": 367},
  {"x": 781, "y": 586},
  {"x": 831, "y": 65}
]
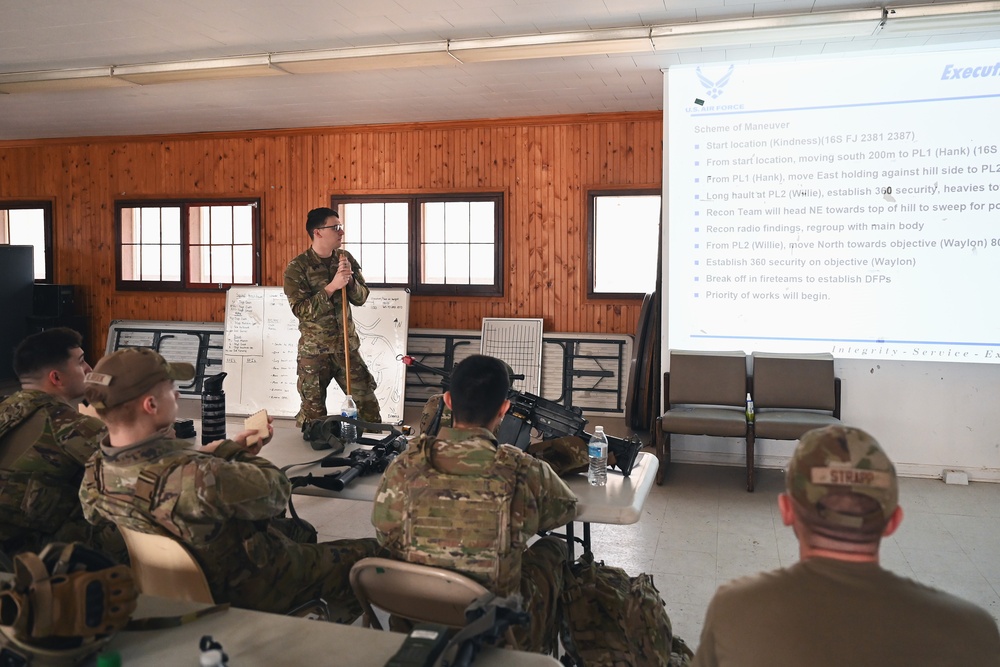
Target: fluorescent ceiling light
[
  {"x": 769, "y": 29},
  {"x": 59, "y": 80},
  {"x": 393, "y": 56},
  {"x": 943, "y": 19},
  {"x": 553, "y": 45},
  {"x": 197, "y": 70},
  {"x": 817, "y": 26}
]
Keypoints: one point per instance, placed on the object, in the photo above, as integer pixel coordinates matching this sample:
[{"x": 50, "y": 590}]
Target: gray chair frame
[
  {"x": 792, "y": 394},
  {"x": 704, "y": 393}
]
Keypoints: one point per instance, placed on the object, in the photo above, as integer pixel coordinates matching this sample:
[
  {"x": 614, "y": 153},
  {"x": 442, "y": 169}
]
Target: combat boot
[{"x": 323, "y": 434}]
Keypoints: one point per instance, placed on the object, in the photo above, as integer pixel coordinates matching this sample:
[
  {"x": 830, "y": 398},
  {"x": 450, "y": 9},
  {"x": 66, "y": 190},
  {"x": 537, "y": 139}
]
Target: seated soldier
[
  {"x": 464, "y": 502},
  {"x": 567, "y": 454},
  {"x": 44, "y": 444},
  {"x": 222, "y": 501},
  {"x": 837, "y": 605}
]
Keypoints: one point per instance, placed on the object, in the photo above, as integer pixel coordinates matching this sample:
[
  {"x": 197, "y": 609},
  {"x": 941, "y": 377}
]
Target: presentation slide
[{"x": 847, "y": 205}]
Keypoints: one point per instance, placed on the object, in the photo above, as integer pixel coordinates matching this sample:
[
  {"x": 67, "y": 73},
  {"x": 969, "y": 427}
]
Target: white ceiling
[{"x": 69, "y": 34}]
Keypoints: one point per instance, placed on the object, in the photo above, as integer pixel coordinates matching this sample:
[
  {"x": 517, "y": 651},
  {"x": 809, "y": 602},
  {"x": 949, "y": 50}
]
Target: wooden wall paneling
[{"x": 544, "y": 167}]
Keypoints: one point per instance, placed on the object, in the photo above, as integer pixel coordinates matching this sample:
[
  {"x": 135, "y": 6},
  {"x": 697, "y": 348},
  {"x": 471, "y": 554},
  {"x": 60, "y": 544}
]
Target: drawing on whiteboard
[
  {"x": 261, "y": 346},
  {"x": 380, "y": 352}
]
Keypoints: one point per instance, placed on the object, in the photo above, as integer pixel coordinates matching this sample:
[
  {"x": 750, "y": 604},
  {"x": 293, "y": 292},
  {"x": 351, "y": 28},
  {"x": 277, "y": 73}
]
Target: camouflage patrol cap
[
  {"x": 835, "y": 462},
  {"x": 130, "y": 373},
  {"x": 566, "y": 455}
]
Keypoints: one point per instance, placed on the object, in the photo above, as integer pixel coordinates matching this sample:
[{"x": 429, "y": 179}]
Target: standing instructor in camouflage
[{"x": 314, "y": 283}]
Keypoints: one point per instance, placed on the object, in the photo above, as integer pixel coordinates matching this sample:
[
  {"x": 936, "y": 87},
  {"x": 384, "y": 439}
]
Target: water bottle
[
  {"x": 749, "y": 409},
  {"x": 348, "y": 432},
  {"x": 597, "y": 450},
  {"x": 213, "y": 410}
]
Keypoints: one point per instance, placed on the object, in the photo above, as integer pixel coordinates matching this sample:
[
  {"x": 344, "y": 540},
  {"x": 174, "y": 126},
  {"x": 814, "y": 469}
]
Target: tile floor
[{"x": 701, "y": 529}]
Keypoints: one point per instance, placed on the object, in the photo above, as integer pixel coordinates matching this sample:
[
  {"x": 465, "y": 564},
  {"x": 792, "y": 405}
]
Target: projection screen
[{"x": 847, "y": 205}]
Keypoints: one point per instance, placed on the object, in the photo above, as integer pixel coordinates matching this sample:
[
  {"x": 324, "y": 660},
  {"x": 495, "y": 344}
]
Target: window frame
[
  {"x": 185, "y": 284},
  {"x": 415, "y": 202},
  {"x": 592, "y": 196},
  {"x": 47, "y": 207}
]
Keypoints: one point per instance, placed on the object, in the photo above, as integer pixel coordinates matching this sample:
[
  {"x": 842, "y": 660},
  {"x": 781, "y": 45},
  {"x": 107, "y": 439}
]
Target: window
[
  {"x": 188, "y": 245},
  {"x": 439, "y": 244},
  {"x": 623, "y": 243},
  {"x": 29, "y": 223}
]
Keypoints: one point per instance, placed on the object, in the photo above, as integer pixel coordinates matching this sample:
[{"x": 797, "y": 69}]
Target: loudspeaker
[{"x": 54, "y": 301}]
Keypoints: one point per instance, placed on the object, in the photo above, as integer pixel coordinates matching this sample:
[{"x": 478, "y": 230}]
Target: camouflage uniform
[
  {"x": 430, "y": 413},
  {"x": 566, "y": 455},
  {"x": 463, "y": 502},
  {"x": 44, "y": 444},
  {"x": 224, "y": 507},
  {"x": 321, "y": 335}
]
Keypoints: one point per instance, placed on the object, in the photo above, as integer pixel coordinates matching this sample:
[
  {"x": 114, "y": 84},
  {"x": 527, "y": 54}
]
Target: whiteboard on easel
[
  {"x": 261, "y": 345},
  {"x": 517, "y": 341}
]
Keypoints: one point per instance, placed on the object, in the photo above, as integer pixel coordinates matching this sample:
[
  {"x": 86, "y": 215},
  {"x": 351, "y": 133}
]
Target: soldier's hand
[
  {"x": 341, "y": 280},
  {"x": 343, "y": 277},
  {"x": 211, "y": 447},
  {"x": 254, "y": 449}
]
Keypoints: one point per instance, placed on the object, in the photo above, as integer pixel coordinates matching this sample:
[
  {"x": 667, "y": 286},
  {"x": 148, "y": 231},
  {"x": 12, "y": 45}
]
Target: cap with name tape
[
  {"x": 832, "y": 464},
  {"x": 129, "y": 373}
]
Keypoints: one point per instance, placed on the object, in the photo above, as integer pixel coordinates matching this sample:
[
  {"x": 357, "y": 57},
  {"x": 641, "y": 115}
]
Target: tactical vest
[
  {"x": 34, "y": 500},
  {"x": 462, "y": 522},
  {"x": 227, "y": 551}
]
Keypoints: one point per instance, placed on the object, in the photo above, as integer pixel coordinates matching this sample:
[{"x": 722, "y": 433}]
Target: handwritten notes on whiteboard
[{"x": 261, "y": 345}]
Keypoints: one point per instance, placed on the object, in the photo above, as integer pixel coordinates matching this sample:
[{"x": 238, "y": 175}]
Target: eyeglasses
[{"x": 336, "y": 228}]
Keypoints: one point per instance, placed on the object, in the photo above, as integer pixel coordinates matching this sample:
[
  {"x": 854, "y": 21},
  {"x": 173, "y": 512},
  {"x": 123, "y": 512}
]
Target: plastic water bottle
[
  {"x": 348, "y": 432},
  {"x": 597, "y": 450},
  {"x": 749, "y": 409}
]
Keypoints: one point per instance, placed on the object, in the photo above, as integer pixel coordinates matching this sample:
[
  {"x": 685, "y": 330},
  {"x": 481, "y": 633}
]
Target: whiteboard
[{"x": 261, "y": 345}]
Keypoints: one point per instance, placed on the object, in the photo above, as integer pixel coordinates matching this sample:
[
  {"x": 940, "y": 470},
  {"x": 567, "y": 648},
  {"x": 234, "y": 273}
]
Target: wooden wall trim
[{"x": 387, "y": 127}]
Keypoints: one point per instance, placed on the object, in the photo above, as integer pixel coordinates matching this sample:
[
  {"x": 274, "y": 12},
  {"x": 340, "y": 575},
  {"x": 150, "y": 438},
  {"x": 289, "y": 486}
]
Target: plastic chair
[
  {"x": 165, "y": 567},
  {"x": 418, "y": 593}
]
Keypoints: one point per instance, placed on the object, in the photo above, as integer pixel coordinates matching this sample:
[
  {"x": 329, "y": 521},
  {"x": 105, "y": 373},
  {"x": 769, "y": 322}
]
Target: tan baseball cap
[
  {"x": 837, "y": 461},
  {"x": 126, "y": 374}
]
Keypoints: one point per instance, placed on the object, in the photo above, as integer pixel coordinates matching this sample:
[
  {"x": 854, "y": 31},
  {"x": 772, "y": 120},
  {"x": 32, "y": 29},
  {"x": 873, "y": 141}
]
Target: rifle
[
  {"x": 360, "y": 462},
  {"x": 549, "y": 418}
]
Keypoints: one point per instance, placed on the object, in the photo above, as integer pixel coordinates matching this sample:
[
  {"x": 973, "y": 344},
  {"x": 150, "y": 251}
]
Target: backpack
[{"x": 613, "y": 620}]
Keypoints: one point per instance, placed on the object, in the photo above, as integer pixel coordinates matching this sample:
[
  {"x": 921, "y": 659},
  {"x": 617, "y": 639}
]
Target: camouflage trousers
[
  {"x": 304, "y": 572},
  {"x": 315, "y": 375},
  {"x": 544, "y": 570},
  {"x": 103, "y": 537}
]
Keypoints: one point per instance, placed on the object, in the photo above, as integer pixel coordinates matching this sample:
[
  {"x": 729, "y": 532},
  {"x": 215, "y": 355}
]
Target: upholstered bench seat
[{"x": 698, "y": 420}]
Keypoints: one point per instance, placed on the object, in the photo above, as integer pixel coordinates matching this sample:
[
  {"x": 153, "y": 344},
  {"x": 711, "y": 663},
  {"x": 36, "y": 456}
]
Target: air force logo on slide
[{"x": 714, "y": 88}]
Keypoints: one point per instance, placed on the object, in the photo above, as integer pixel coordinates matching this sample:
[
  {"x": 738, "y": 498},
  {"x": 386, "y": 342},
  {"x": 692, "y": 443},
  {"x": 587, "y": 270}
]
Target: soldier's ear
[
  {"x": 447, "y": 399},
  {"x": 54, "y": 378},
  {"x": 786, "y": 508},
  {"x": 504, "y": 408},
  {"x": 149, "y": 404}
]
